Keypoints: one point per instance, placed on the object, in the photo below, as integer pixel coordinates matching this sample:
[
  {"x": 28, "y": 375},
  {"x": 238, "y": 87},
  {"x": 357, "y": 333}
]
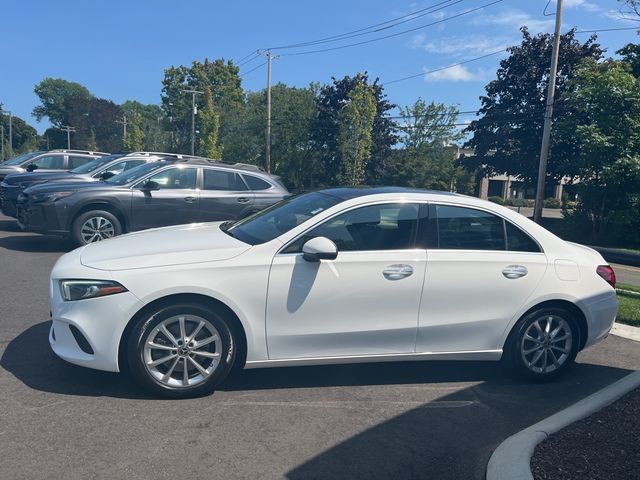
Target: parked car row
[{"x": 112, "y": 194}]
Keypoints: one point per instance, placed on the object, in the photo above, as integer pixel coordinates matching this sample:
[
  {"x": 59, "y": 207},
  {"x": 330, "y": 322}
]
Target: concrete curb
[
  {"x": 512, "y": 459},
  {"x": 626, "y": 331}
]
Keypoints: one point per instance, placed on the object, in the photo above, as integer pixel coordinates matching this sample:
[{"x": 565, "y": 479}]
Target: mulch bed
[{"x": 604, "y": 446}]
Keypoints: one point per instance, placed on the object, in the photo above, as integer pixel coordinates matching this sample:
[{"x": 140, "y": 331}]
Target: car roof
[{"x": 347, "y": 193}]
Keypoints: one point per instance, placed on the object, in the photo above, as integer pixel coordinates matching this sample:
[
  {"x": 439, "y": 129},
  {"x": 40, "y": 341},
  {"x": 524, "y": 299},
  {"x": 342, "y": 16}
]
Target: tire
[
  {"x": 103, "y": 224},
  {"x": 167, "y": 378},
  {"x": 530, "y": 350}
]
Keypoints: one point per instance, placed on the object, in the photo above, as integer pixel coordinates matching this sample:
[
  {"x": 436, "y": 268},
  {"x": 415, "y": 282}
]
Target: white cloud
[
  {"x": 583, "y": 4},
  {"x": 619, "y": 16},
  {"x": 471, "y": 45},
  {"x": 458, "y": 73},
  {"x": 516, "y": 19}
]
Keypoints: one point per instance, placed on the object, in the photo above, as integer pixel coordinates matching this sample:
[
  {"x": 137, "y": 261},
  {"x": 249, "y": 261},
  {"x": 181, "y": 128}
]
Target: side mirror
[
  {"x": 32, "y": 167},
  {"x": 150, "y": 185},
  {"x": 106, "y": 175},
  {"x": 319, "y": 248}
]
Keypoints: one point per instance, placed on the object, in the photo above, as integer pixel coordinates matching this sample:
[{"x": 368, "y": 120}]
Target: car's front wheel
[
  {"x": 182, "y": 350},
  {"x": 543, "y": 344},
  {"x": 95, "y": 226}
]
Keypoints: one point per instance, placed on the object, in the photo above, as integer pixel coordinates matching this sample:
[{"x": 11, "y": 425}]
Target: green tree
[
  {"x": 326, "y": 129},
  {"x": 24, "y": 136},
  {"x": 153, "y": 124},
  {"x": 95, "y": 123},
  {"x": 356, "y": 125},
  {"x": 508, "y": 135},
  {"x": 134, "y": 140},
  {"x": 221, "y": 77},
  {"x": 600, "y": 141},
  {"x": 53, "y": 93},
  {"x": 630, "y": 54},
  {"x": 210, "y": 128}
]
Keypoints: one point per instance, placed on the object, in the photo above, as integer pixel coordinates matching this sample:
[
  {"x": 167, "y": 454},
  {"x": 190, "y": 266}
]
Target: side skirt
[{"x": 479, "y": 355}]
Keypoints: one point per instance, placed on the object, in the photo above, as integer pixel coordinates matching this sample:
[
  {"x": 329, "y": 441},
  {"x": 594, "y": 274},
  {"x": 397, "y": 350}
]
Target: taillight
[{"x": 607, "y": 273}]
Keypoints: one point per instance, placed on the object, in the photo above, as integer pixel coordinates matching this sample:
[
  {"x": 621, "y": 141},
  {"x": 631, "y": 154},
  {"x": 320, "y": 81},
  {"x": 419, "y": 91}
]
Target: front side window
[
  {"x": 175, "y": 179},
  {"x": 52, "y": 162},
  {"x": 371, "y": 228},
  {"x": 461, "y": 228},
  {"x": 130, "y": 176},
  {"x": 219, "y": 180}
]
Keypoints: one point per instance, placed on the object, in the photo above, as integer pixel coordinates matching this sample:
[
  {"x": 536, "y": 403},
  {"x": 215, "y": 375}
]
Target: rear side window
[
  {"x": 53, "y": 162},
  {"x": 256, "y": 183},
  {"x": 220, "y": 180},
  {"x": 460, "y": 228},
  {"x": 76, "y": 160}
]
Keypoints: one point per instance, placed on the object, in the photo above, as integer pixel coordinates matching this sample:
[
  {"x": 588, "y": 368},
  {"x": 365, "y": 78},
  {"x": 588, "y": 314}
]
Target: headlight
[
  {"x": 81, "y": 289},
  {"x": 50, "y": 197}
]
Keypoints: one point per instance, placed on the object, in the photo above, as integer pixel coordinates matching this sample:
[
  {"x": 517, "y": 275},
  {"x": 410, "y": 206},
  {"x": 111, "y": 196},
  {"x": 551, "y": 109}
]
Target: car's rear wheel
[
  {"x": 543, "y": 344},
  {"x": 181, "y": 351},
  {"x": 95, "y": 226}
]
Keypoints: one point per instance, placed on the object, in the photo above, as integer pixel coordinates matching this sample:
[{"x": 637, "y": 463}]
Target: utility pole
[
  {"x": 548, "y": 114},
  {"x": 124, "y": 124},
  {"x": 194, "y": 111},
  {"x": 68, "y": 129},
  {"x": 2, "y": 142},
  {"x": 10, "y": 131},
  {"x": 267, "y": 150}
]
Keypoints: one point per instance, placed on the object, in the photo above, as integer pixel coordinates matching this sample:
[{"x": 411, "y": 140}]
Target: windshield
[
  {"x": 20, "y": 158},
  {"x": 129, "y": 176},
  {"x": 95, "y": 164},
  {"x": 281, "y": 217}
]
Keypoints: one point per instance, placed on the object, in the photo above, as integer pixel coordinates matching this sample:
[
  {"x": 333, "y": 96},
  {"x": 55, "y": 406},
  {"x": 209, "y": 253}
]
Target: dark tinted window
[
  {"x": 469, "y": 229},
  {"x": 518, "y": 241},
  {"x": 76, "y": 160},
  {"x": 175, "y": 178},
  {"x": 256, "y": 183},
  {"x": 220, "y": 180},
  {"x": 376, "y": 227},
  {"x": 54, "y": 162}
]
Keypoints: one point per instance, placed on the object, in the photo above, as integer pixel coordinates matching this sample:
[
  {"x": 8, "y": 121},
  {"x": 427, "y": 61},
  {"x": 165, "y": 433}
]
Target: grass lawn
[{"x": 629, "y": 305}]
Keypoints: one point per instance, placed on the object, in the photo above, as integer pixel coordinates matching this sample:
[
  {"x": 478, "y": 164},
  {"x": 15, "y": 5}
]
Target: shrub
[
  {"x": 552, "y": 203},
  {"x": 497, "y": 200},
  {"x": 510, "y": 202}
]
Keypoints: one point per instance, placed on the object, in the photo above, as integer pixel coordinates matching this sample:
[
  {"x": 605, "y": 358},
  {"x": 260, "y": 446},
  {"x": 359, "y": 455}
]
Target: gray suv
[
  {"x": 166, "y": 192},
  {"x": 47, "y": 161}
]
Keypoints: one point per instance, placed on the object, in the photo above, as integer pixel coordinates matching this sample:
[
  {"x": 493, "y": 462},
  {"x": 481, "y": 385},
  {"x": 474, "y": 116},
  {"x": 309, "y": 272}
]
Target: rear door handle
[
  {"x": 397, "y": 271},
  {"x": 190, "y": 199},
  {"x": 243, "y": 200},
  {"x": 514, "y": 271}
]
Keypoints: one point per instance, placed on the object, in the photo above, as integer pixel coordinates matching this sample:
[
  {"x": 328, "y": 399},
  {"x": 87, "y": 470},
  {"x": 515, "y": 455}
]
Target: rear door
[
  {"x": 481, "y": 269},
  {"x": 174, "y": 203},
  {"x": 223, "y": 196}
]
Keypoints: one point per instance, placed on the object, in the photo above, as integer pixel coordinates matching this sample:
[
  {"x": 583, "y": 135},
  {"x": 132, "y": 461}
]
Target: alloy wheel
[
  {"x": 96, "y": 229},
  {"x": 182, "y": 351},
  {"x": 546, "y": 344}
]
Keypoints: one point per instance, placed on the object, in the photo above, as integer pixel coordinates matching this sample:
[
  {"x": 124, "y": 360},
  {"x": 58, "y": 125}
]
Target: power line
[
  {"x": 247, "y": 56},
  {"x": 607, "y": 30},
  {"x": 246, "y": 62},
  {"x": 467, "y": 12},
  {"x": 444, "y": 68},
  {"x": 253, "y": 69},
  {"x": 375, "y": 28}
]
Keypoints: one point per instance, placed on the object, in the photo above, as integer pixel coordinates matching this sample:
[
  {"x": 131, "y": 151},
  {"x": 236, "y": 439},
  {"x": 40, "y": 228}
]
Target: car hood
[
  {"x": 29, "y": 178},
  {"x": 9, "y": 170},
  {"x": 66, "y": 185},
  {"x": 160, "y": 247}
]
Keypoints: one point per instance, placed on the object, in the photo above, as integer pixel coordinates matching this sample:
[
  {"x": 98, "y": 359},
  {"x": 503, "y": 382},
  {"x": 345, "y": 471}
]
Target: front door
[
  {"x": 365, "y": 302},
  {"x": 175, "y": 202},
  {"x": 481, "y": 270}
]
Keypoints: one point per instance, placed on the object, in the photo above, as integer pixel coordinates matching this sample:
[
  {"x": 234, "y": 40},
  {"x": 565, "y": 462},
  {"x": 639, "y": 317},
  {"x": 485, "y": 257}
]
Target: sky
[{"x": 119, "y": 49}]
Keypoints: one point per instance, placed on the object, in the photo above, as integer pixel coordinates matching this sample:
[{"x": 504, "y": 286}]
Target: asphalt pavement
[{"x": 405, "y": 420}]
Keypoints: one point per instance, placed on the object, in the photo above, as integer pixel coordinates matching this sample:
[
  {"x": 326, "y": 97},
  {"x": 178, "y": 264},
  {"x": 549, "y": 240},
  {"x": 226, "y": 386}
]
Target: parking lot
[{"x": 404, "y": 420}]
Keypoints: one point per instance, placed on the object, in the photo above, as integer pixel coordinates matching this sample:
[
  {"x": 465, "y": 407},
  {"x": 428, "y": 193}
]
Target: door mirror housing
[
  {"x": 319, "y": 248},
  {"x": 150, "y": 185},
  {"x": 32, "y": 167},
  {"x": 106, "y": 175}
]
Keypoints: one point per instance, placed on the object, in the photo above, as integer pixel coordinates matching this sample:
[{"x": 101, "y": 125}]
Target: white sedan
[{"x": 335, "y": 276}]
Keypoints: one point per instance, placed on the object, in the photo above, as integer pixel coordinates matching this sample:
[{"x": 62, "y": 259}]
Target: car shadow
[{"x": 36, "y": 243}]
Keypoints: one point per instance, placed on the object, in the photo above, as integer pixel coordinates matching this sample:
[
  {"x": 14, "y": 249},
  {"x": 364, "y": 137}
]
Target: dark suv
[
  {"x": 101, "y": 168},
  {"x": 167, "y": 192},
  {"x": 47, "y": 161}
]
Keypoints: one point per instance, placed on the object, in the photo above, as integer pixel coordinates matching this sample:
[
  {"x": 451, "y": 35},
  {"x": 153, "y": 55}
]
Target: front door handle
[
  {"x": 243, "y": 200},
  {"x": 397, "y": 271},
  {"x": 190, "y": 199},
  {"x": 514, "y": 271}
]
